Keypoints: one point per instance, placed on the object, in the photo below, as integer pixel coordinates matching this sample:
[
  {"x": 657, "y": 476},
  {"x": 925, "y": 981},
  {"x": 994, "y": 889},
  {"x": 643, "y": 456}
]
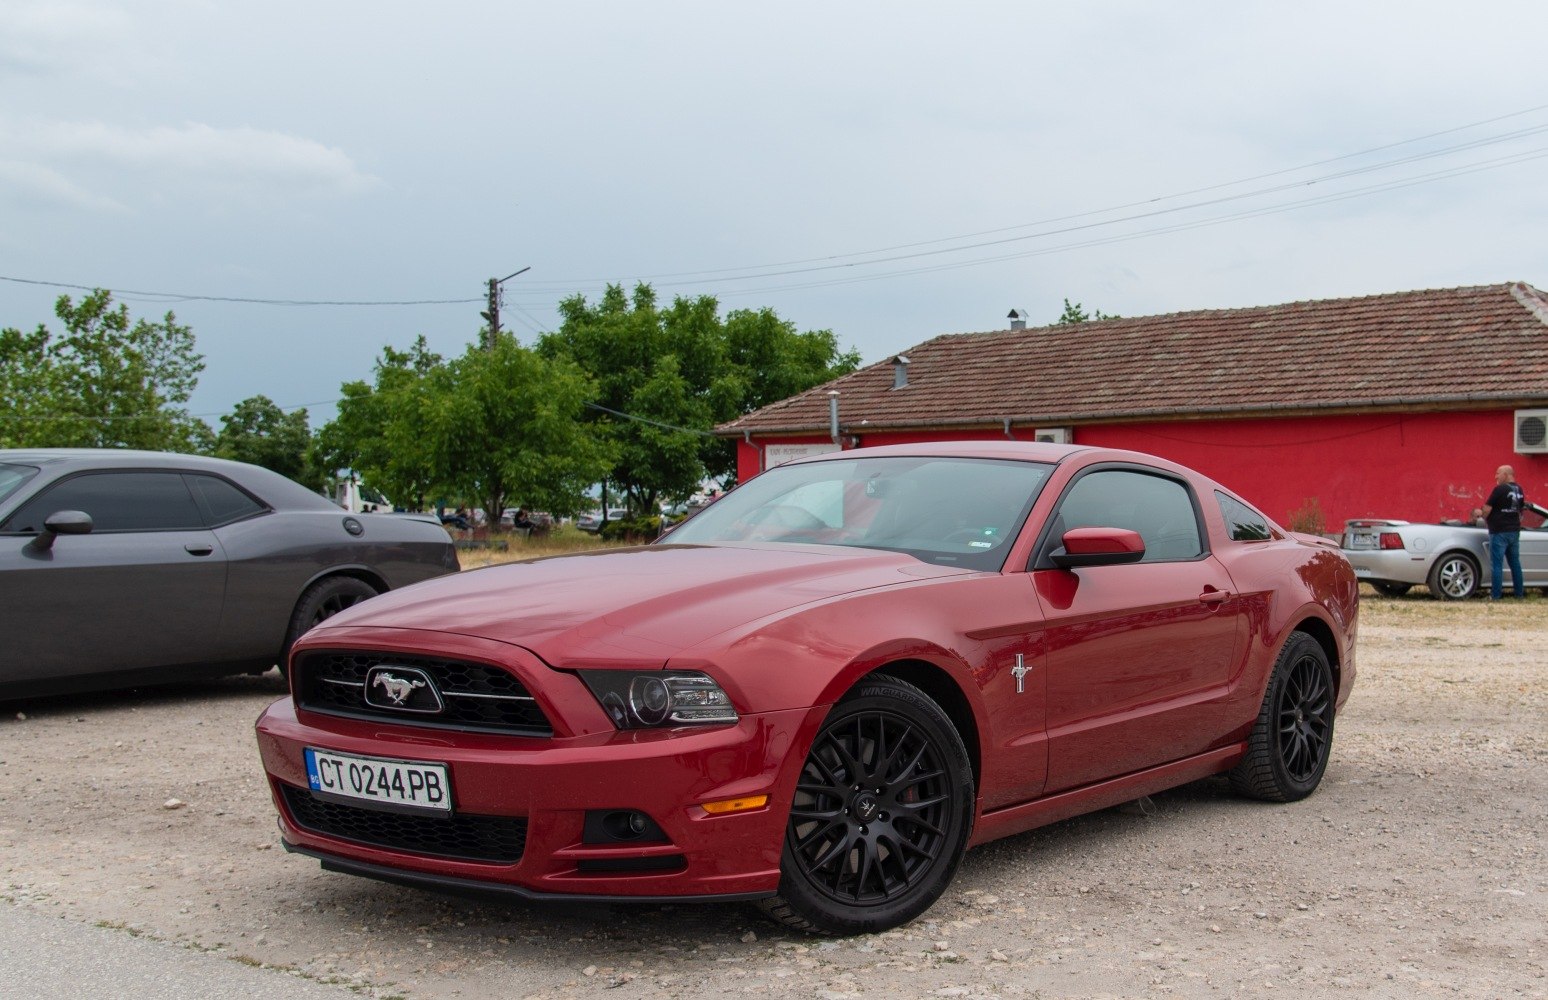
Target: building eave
[{"x": 1430, "y": 403}]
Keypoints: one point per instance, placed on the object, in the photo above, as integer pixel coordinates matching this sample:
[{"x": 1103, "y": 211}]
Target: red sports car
[{"x": 822, "y": 689}]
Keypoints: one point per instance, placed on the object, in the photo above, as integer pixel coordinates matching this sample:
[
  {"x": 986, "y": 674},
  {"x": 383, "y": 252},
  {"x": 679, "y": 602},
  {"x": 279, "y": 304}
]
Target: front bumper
[{"x": 551, "y": 784}]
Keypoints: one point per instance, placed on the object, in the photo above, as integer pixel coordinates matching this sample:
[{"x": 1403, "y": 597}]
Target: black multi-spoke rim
[
  {"x": 1305, "y": 707},
  {"x": 871, "y": 809},
  {"x": 333, "y": 605}
]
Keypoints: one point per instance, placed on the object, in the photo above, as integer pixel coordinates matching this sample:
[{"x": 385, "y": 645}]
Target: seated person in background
[
  {"x": 522, "y": 522},
  {"x": 1476, "y": 519}
]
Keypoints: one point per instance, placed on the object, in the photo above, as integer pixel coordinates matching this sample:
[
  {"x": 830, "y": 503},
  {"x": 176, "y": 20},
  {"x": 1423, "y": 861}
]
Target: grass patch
[{"x": 564, "y": 540}]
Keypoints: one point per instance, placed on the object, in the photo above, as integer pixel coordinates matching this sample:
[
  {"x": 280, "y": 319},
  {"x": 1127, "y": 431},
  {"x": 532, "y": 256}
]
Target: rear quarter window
[{"x": 1243, "y": 524}]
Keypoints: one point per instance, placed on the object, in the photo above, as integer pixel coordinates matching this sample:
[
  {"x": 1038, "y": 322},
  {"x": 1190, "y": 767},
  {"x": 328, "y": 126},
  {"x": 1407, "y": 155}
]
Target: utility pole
[{"x": 492, "y": 317}]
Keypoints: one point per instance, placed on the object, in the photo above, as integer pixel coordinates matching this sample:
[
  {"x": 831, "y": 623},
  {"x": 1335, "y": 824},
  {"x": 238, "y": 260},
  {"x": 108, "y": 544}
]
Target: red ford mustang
[{"x": 821, "y": 690}]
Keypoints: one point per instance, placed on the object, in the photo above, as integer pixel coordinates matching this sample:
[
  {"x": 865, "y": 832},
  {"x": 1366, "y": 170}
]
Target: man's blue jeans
[{"x": 1505, "y": 545}]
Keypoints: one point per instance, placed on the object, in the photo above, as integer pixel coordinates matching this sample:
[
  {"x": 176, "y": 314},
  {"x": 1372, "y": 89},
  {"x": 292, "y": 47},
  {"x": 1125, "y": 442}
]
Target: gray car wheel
[
  {"x": 1454, "y": 577},
  {"x": 319, "y": 602}
]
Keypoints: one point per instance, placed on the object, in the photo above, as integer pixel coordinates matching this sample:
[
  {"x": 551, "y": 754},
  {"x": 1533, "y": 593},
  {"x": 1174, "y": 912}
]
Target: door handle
[
  {"x": 1213, "y": 596},
  {"x": 198, "y": 549}
]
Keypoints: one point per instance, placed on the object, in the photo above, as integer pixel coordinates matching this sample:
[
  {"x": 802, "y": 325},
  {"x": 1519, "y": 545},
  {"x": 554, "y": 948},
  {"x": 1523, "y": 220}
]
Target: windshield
[
  {"x": 951, "y": 511},
  {"x": 12, "y": 476}
]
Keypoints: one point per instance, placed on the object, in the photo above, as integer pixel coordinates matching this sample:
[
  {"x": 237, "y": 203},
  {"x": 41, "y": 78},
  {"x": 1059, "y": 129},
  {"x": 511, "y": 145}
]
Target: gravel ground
[{"x": 1416, "y": 870}]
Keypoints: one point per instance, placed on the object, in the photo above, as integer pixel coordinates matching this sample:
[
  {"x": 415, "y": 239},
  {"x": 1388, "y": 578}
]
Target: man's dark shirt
[{"x": 1505, "y": 505}]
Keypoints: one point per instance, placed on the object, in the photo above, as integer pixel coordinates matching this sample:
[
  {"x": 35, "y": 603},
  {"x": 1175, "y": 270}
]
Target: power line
[
  {"x": 189, "y": 297},
  {"x": 1505, "y": 137},
  {"x": 1511, "y": 160},
  {"x": 850, "y": 261}
]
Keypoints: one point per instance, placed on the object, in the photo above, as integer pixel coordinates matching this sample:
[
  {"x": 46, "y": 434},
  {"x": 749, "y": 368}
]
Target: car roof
[{"x": 270, "y": 486}]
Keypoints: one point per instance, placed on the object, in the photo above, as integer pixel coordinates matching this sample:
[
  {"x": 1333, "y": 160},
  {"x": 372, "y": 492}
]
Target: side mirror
[
  {"x": 1099, "y": 547},
  {"x": 61, "y": 522}
]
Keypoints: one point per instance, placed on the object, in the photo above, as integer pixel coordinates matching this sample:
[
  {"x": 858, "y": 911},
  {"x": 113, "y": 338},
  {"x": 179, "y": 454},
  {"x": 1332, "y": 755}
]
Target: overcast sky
[{"x": 382, "y": 151}]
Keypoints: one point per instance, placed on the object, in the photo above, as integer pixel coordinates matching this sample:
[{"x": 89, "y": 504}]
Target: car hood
[{"x": 633, "y": 607}]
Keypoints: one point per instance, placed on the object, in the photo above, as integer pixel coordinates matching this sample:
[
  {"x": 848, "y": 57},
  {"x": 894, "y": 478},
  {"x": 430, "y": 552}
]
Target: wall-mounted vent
[
  {"x": 1052, "y": 435},
  {"x": 1531, "y": 432}
]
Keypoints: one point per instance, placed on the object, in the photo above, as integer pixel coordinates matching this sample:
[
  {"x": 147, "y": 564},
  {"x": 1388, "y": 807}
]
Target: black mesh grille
[
  {"x": 470, "y": 838},
  {"x": 477, "y": 696}
]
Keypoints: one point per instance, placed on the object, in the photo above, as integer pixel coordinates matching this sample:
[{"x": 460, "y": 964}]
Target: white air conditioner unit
[
  {"x": 1060, "y": 435},
  {"x": 1531, "y": 432}
]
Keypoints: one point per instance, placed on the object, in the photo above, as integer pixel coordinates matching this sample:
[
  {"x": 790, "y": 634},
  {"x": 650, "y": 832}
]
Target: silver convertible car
[
  {"x": 1451, "y": 559},
  {"x": 120, "y": 568}
]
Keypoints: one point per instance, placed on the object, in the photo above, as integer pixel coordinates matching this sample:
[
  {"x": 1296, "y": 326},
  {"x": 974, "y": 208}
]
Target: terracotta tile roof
[{"x": 1454, "y": 346}]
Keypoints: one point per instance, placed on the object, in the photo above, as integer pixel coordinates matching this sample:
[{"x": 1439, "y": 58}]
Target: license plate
[
  {"x": 1362, "y": 541},
  {"x": 1364, "y": 572},
  {"x": 387, "y": 784}
]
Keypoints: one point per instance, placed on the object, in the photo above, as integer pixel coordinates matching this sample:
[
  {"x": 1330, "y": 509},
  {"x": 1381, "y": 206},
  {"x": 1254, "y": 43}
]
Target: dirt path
[{"x": 1416, "y": 870}]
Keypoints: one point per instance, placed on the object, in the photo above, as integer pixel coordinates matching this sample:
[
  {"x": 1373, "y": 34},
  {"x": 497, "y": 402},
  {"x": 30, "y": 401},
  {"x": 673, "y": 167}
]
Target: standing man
[{"x": 1502, "y": 511}]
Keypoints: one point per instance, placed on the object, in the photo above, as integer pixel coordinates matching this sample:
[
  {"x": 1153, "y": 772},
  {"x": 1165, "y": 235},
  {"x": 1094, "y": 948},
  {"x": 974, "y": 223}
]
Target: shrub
[
  {"x": 1308, "y": 518},
  {"x": 632, "y": 529}
]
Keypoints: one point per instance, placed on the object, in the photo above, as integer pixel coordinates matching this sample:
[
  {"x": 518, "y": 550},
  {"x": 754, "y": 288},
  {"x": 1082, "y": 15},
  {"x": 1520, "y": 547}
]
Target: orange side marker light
[{"x": 742, "y": 804}]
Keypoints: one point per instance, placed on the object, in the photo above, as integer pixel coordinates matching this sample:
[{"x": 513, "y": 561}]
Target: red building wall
[{"x": 1419, "y": 467}]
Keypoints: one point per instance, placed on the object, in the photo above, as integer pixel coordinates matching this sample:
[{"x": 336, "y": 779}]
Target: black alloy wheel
[
  {"x": 881, "y": 814},
  {"x": 1288, "y": 749}
]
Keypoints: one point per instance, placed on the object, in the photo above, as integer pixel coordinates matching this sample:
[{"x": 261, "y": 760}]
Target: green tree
[
  {"x": 770, "y": 360},
  {"x": 105, "y": 382},
  {"x": 382, "y": 430},
  {"x": 28, "y": 388},
  {"x": 506, "y": 427},
  {"x": 1076, "y": 314},
  {"x": 666, "y": 376},
  {"x": 259, "y": 432}
]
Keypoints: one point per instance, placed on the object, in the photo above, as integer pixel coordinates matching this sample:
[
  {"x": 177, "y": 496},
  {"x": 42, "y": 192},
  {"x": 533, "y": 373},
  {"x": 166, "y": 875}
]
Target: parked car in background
[
  {"x": 592, "y": 520},
  {"x": 122, "y": 568},
  {"x": 821, "y": 689},
  {"x": 1451, "y": 559}
]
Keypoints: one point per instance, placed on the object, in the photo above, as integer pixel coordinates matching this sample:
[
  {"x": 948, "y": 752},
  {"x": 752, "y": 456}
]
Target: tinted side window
[
  {"x": 1160, "y": 509},
  {"x": 1243, "y": 523},
  {"x": 116, "y": 501},
  {"x": 224, "y": 502}
]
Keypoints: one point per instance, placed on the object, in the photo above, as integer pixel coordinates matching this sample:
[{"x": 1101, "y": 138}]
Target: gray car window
[
  {"x": 224, "y": 502},
  {"x": 1160, "y": 509},
  {"x": 116, "y": 501}
]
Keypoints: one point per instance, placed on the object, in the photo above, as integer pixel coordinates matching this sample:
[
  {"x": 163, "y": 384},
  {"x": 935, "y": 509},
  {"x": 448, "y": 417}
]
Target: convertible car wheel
[
  {"x": 881, "y": 815},
  {"x": 1287, "y": 751},
  {"x": 1454, "y": 577}
]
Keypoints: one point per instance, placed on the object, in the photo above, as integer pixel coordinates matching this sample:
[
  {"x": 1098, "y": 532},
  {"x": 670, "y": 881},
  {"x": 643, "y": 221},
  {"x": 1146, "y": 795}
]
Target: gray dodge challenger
[{"x": 121, "y": 568}]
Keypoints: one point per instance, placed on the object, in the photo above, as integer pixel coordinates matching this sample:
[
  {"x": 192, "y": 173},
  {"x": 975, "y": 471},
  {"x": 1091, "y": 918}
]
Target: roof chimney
[
  {"x": 1018, "y": 318},
  {"x": 899, "y": 372}
]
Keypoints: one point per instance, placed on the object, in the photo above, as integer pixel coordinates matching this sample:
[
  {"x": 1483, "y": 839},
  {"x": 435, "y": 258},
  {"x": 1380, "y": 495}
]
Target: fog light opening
[{"x": 621, "y": 826}]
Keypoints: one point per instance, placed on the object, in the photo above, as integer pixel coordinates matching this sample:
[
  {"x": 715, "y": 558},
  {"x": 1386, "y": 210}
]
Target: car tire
[
  {"x": 1392, "y": 589},
  {"x": 1454, "y": 577},
  {"x": 319, "y": 602},
  {"x": 881, "y": 817},
  {"x": 1288, "y": 748}
]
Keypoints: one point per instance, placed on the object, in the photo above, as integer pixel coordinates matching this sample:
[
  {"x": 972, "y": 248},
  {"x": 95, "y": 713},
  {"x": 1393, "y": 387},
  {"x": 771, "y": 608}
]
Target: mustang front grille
[
  {"x": 473, "y": 696},
  {"x": 469, "y": 838}
]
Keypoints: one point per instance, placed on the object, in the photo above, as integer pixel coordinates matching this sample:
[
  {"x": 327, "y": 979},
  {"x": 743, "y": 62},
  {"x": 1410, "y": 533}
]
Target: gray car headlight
[{"x": 647, "y": 699}]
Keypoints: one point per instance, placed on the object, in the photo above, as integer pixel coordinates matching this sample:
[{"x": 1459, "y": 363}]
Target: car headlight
[{"x": 659, "y": 698}]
